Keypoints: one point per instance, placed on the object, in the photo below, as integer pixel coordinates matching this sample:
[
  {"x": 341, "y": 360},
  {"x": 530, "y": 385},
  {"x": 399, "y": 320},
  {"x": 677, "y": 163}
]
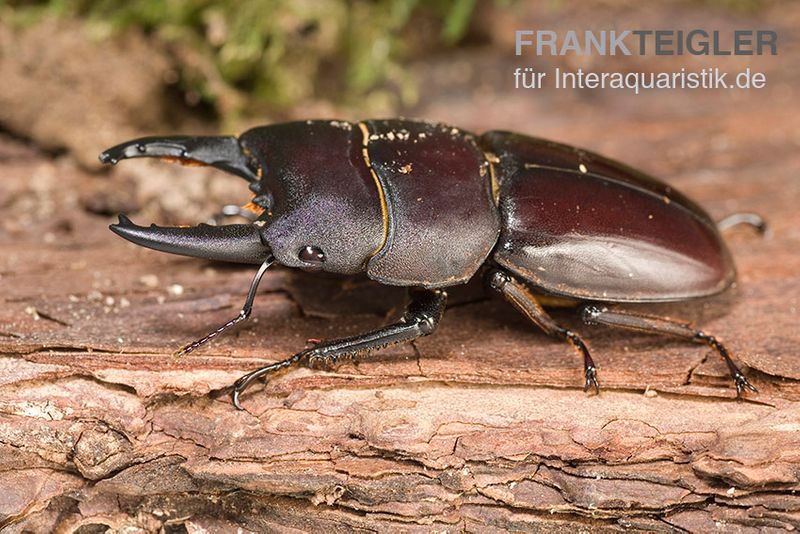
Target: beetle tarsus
[
  {"x": 589, "y": 368},
  {"x": 660, "y": 325},
  {"x": 244, "y": 314},
  {"x": 743, "y": 384},
  {"x": 739, "y": 380},
  {"x": 420, "y": 319},
  {"x": 751, "y": 219},
  {"x": 591, "y": 380},
  {"x": 244, "y": 382}
]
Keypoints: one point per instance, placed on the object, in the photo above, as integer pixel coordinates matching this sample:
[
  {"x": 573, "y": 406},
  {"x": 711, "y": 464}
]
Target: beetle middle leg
[
  {"x": 660, "y": 325},
  {"x": 421, "y": 318},
  {"x": 518, "y": 295}
]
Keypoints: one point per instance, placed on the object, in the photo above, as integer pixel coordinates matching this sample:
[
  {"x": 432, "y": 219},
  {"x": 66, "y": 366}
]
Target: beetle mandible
[{"x": 428, "y": 206}]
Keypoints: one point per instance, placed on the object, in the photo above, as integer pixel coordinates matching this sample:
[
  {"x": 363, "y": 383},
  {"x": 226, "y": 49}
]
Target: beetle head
[
  {"x": 325, "y": 210},
  {"x": 322, "y": 209}
]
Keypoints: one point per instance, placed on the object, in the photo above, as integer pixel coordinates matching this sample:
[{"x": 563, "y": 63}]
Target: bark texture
[{"x": 480, "y": 427}]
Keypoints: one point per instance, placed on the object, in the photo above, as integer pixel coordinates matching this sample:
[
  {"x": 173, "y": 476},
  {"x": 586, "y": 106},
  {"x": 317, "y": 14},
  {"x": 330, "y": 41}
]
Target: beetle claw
[
  {"x": 235, "y": 398},
  {"x": 223, "y": 152},
  {"x": 591, "y": 380},
  {"x": 244, "y": 382},
  {"x": 743, "y": 384}
]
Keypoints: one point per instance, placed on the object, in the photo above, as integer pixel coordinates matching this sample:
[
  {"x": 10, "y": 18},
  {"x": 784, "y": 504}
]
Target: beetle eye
[{"x": 312, "y": 255}]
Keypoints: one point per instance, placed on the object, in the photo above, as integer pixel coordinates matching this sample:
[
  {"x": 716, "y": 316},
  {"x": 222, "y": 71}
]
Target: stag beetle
[{"x": 427, "y": 206}]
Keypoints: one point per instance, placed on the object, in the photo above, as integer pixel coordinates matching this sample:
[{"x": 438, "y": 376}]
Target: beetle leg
[
  {"x": 223, "y": 152},
  {"x": 660, "y": 325},
  {"x": 420, "y": 319},
  {"x": 244, "y": 313},
  {"x": 518, "y": 295},
  {"x": 751, "y": 219}
]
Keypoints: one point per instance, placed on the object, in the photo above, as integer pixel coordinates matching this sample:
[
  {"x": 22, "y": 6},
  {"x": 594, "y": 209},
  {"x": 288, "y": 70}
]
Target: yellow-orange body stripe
[{"x": 381, "y": 193}]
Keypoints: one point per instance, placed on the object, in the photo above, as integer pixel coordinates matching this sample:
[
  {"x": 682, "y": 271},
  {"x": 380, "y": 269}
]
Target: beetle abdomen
[
  {"x": 579, "y": 225},
  {"x": 441, "y": 219}
]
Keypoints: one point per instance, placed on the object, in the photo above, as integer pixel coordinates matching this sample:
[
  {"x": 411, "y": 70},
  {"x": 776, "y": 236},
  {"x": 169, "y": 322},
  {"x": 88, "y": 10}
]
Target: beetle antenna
[{"x": 244, "y": 313}]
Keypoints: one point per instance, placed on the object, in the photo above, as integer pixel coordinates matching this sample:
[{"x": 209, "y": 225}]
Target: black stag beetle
[{"x": 427, "y": 206}]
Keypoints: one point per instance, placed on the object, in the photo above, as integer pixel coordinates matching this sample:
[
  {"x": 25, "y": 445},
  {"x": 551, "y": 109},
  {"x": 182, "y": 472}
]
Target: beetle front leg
[
  {"x": 660, "y": 325},
  {"x": 421, "y": 318},
  {"x": 518, "y": 295}
]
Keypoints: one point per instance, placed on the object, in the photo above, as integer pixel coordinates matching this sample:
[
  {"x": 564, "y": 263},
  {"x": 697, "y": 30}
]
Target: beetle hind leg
[
  {"x": 660, "y": 325},
  {"x": 518, "y": 295},
  {"x": 420, "y": 319},
  {"x": 754, "y": 220}
]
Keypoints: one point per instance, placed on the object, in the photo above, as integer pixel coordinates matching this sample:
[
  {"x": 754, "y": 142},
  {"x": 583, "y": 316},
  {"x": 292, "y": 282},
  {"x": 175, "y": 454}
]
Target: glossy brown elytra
[{"x": 429, "y": 206}]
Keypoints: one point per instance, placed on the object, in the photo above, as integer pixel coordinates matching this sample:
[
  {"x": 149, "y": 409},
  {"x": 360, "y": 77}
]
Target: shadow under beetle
[{"x": 428, "y": 206}]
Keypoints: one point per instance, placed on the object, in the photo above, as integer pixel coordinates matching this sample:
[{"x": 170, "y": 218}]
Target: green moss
[{"x": 267, "y": 54}]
